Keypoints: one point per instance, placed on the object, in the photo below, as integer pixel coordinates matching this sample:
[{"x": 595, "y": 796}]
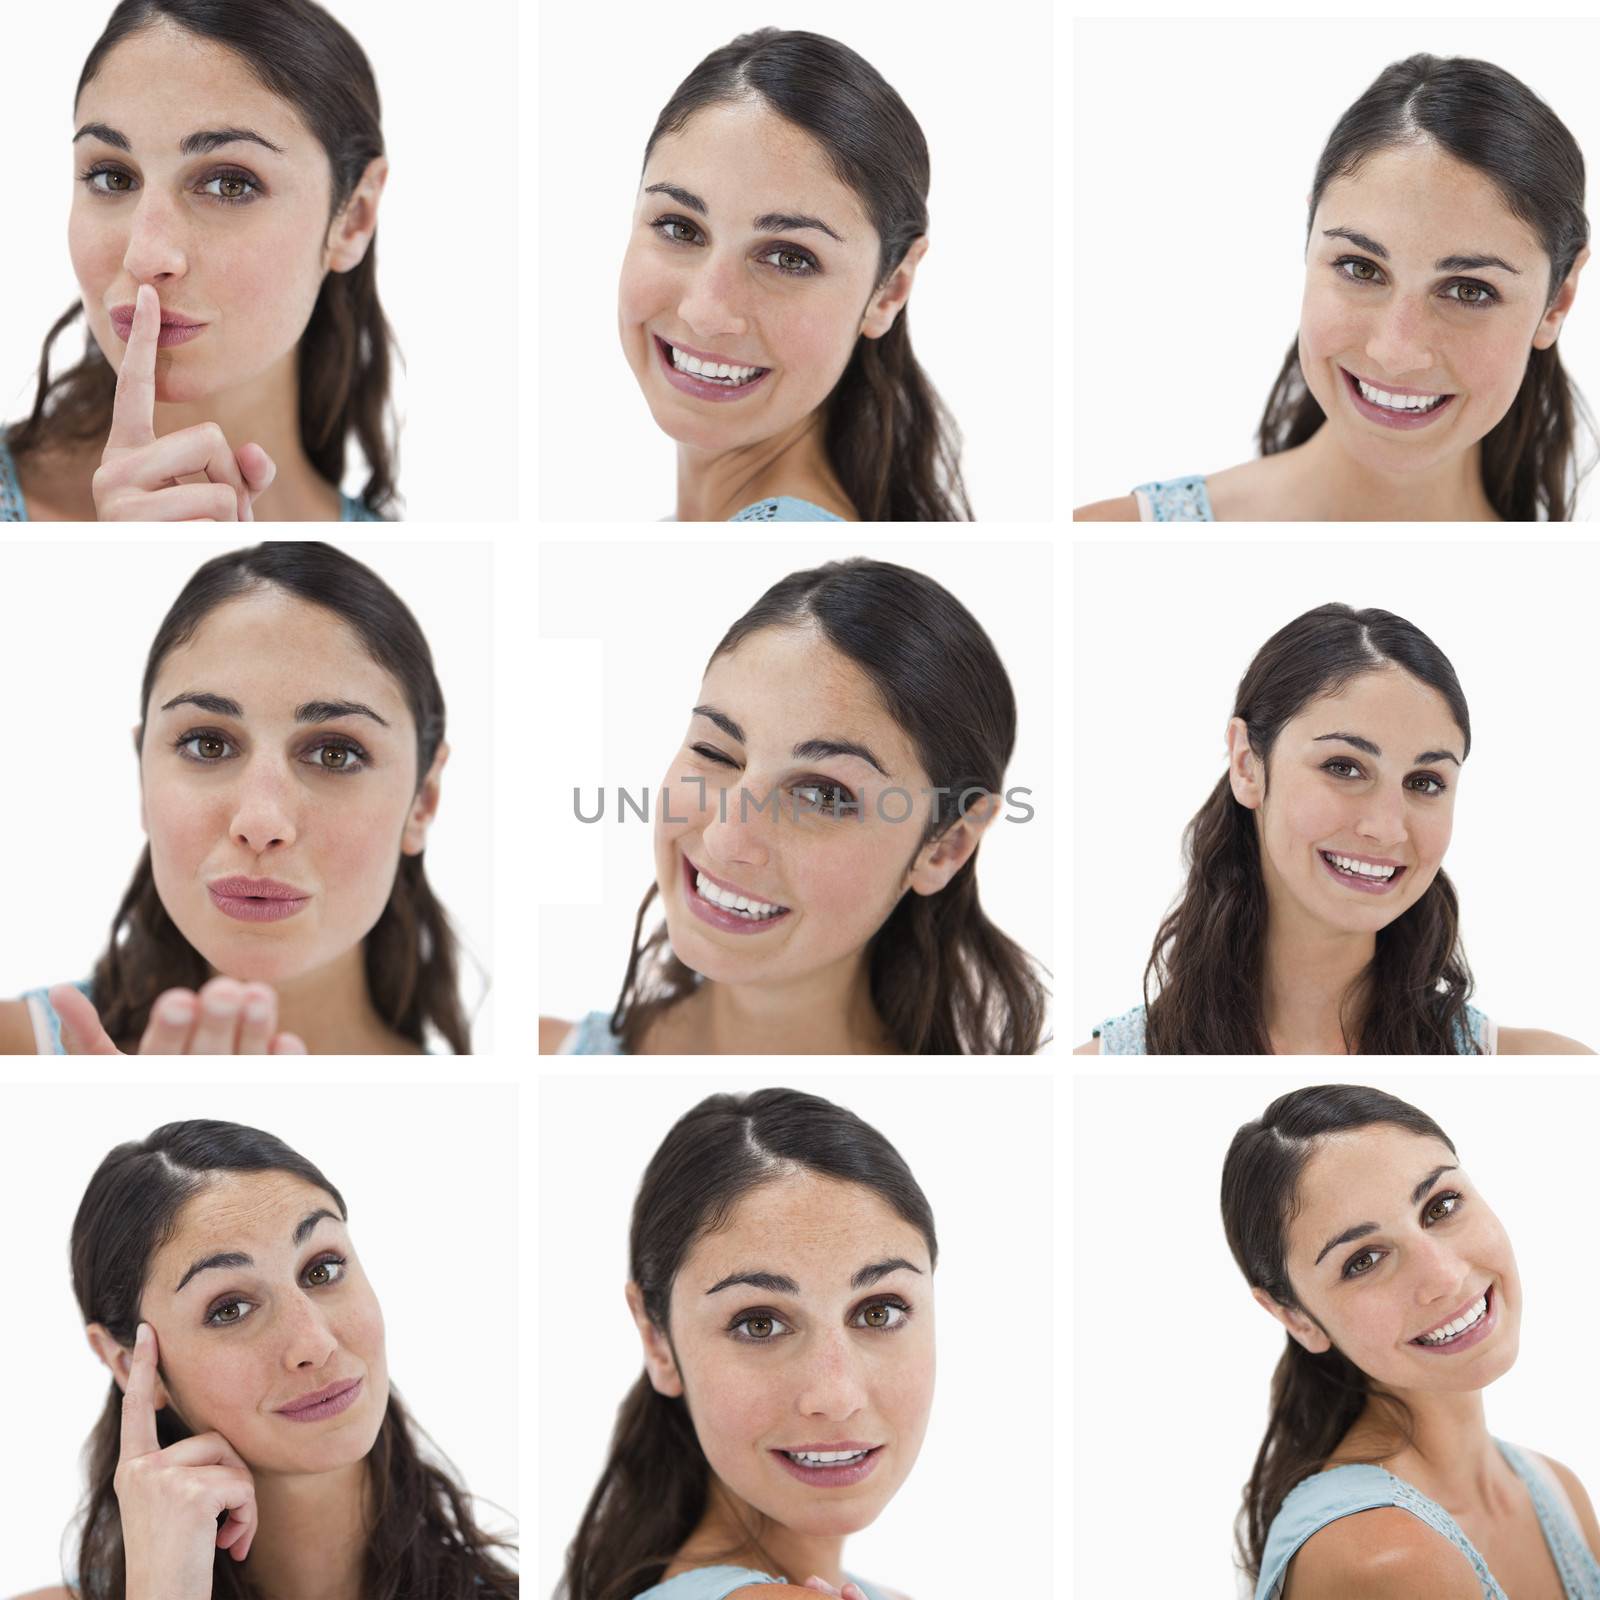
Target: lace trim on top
[
  {"x": 1174, "y": 500},
  {"x": 784, "y": 508},
  {"x": 592, "y": 1037},
  {"x": 13, "y": 508},
  {"x": 1124, "y": 1035}
]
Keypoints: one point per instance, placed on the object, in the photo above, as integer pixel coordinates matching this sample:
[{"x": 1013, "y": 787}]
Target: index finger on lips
[
  {"x": 133, "y": 412},
  {"x": 139, "y": 1398}
]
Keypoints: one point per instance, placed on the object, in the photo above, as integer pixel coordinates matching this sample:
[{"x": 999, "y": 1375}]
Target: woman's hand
[
  {"x": 226, "y": 1018},
  {"x": 169, "y": 1500},
  {"x": 137, "y": 480},
  {"x": 851, "y": 1591}
]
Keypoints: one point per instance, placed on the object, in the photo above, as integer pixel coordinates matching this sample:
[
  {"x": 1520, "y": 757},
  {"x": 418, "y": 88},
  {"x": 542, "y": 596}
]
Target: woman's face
[
  {"x": 1443, "y": 293},
  {"x": 1359, "y": 798},
  {"x": 805, "y": 1325},
  {"x": 1391, "y": 1243},
  {"x": 258, "y": 1301},
  {"x": 785, "y": 792},
  {"x": 278, "y": 752},
  {"x": 746, "y": 250},
  {"x": 232, "y": 234}
]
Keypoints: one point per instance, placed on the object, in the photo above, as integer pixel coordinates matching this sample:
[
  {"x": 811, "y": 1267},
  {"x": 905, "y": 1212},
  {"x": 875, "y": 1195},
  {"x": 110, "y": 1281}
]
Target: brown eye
[
  {"x": 334, "y": 756},
  {"x": 1364, "y": 270},
  {"x": 319, "y": 1274},
  {"x": 759, "y": 1327},
  {"x": 877, "y": 1316},
  {"x": 211, "y": 749}
]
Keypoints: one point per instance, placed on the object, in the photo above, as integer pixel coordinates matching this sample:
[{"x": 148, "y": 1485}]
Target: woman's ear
[
  {"x": 424, "y": 807},
  {"x": 941, "y": 859},
  {"x": 350, "y": 234},
  {"x": 659, "y": 1362},
  {"x": 117, "y": 1358},
  {"x": 138, "y": 761},
  {"x": 1550, "y": 323},
  {"x": 1297, "y": 1324},
  {"x": 888, "y": 302},
  {"x": 1244, "y": 768}
]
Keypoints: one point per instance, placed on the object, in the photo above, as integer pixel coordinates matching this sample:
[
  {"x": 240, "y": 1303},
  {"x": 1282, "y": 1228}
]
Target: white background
[
  {"x": 1195, "y": 146},
  {"x": 981, "y": 308},
  {"x": 957, "y": 1526},
  {"x": 628, "y": 676},
  {"x": 447, "y": 233},
  {"x": 438, "y": 1237},
  {"x": 1162, "y": 635},
  {"x": 1174, "y": 1358},
  {"x": 79, "y": 641}
]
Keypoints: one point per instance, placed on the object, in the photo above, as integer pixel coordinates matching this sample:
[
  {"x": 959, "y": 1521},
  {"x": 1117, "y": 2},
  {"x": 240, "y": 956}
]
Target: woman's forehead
[
  {"x": 1360, "y": 1175},
  {"x": 1386, "y": 701},
  {"x": 255, "y": 1213}
]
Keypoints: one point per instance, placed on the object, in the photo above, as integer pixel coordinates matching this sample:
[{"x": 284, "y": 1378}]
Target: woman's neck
[
  {"x": 331, "y": 1009},
  {"x": 732, "y": 1534},
  {"x": 311, "y": 1540},
  {"x": 825, "y": 1013},
  {"x": 1332, "y": 486},
  {"x": 1446, "y": 1449},
  {"x": 1308, "y": 976},
  {"x": 714, "y": 485},
  {"x": 265, "y": 411}
]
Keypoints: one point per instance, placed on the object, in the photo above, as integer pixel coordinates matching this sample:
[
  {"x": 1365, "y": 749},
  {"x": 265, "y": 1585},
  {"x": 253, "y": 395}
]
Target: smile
[
  {"x": 830, "y": 1469},
  {"x": 1403, "y": 409},
  {"x": 1362, "y": 872},
  {"x": 256, "y": 899},
  {"x": 704, "y": 376},
  {"x": 726, "y": 907},
  {"x": 1468, "y": 1327}
]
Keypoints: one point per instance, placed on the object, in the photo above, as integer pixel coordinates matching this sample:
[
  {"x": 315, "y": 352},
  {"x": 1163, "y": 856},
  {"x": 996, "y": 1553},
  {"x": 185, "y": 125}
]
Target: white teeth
[
  {"x": 1364, "y": 869},
  {"x": 713, "y": 371},
  {"x": 729, "y": 901},
  {"x": 1399, "y": 402},
  {"x": 824, "y": 1458},
  {"x": 1454, "y": 1329}
]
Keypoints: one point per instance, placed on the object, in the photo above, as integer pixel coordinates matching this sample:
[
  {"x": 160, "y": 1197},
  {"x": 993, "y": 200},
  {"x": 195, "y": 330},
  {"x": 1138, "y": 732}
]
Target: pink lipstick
[
  {"x": 256, "y": 899},
  {"x": 728, "y": 920},
  {"x": 689, "y": 384},
  {"x": 1403, "y": 421},
  {"x": 830, "y": 1475},
  {"x": 321, "y": 1403},
  {"x": 1476, "y": 1334},
  {"x": 1365, "y": 884},
  {"x": 175, "y": 328}
]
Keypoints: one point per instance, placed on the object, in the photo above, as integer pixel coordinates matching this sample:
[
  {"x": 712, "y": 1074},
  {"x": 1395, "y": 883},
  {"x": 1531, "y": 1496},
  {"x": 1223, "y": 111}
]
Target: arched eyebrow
[
  {"x": 776, "y": 1283},
  {"x": 1362, "y": 1229},
  {"x": 806, "y": 750},
  {"x": 191, "y": 144},
  {"x": 1443, "y": 264},
  {"x": 1372, "y": 750},
  {"x": 237, "y": 1258},
  {"x": 220, "y": 705},
  {"x": 767, "y": 222}
]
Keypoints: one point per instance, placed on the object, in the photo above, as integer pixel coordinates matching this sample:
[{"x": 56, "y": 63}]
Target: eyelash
[
  {"x": 843, "y": 803},
  {"x": 1456, "y": 1199},
  {"x": 229, "y": 175},
  {"x": 884, "y": 1303},
  {"x": 213, "y": 1318},
  {"x": 1490, "y": 295},
  {"x": 810, "y": 269},
  {"x": 333, "y": 742},
  {"x": 1439, "y": 785}
]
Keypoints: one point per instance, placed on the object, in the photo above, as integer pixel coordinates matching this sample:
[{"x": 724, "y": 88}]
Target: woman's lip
[
  {"x": 174, "y": 330},
  {"x": 1361, "y": 885},
  {"x": 256, "y": 899},
  {"x": 831, "y": 1477},
  {"x": 691, "y": 385},
  {"x": 169, "y": 319},
  {"x": 328, "y": 1402},
  {"x": 1403, "y": 421},
  {"x": 1476, "y": 1334},
  {"x": 716, "y": 916},
  {"x": 258, "y": 888},
  {"x": 704, "y": 355}
]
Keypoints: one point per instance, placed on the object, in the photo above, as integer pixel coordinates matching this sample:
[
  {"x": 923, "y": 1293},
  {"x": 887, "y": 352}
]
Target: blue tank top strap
[
  {"x": 716, "y": 1583},
  {"x": 1174, "y": 500},
  {"x": 784, "y": 508},
  {"x": 1575, "y": 1561},
  {"x": 47, "y": 1021},
  {"x": 13, "y": 508},
  {"x": 592, "y": 1037},
  {"x": 1124, "y": 1035},
  {"x": 353, "y": 510}
]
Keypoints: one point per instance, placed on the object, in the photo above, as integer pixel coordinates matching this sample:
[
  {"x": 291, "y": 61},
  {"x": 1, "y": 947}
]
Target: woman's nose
[
  {"x": 157, "y": 244},
  {"x": 713, "y": 300},
  {"x": 308, "y": 1341},
  {"x": 1383, "y": 817},
  {"x": 1398, "y": 343},
  {"x": 831, "y": 1386},
  {"x": 738, "y": 829},
  {"x": 263, "y": 808}
]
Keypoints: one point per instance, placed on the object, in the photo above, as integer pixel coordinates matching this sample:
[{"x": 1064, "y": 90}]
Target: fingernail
[
  {"x": 176, "y": 1009},
  {"x": 143, "y": 1335},
  {"x": 257, "y": 1011}
]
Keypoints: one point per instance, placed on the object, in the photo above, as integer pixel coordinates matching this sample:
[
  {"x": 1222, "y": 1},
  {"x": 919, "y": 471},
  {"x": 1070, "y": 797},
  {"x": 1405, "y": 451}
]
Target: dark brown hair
[
  {"x": 891, "y": 443},
  {"x": 305, "y": 57},
  {"x": 1480, "y": 115},
  {"x": 653, "y": 1488},
  {"x": 1209, "y": 953},
  {"x": 410, "y": 954},
  {"x": 1316, "y": 1399},
  {"x": 944, "y": 979},
  {"x": 424, "y": 1543}
]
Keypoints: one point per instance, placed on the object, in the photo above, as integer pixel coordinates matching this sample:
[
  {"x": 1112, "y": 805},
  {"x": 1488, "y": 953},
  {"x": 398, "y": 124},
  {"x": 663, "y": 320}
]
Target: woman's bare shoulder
[
  {"x": 16, "y": 1029},
  {"x": 552, "y": 1031},
  {"x": 1381, "y": 1554},
  {"x": 1581, "y": 1503},
  {"x": 1092, "y": 1048},
  {"x": 1537, "y": 1042},
  {"x": 1124, "y": 508},
  {"x": 48, "y": 1594}
]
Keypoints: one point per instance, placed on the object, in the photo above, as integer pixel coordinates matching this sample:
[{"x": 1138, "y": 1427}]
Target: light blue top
[
  {"x": 784, "y": 508},
  {"x": 1344, "y": 1491},
  {"x": 1174, "y": 500},
  {"x": 592, "y": 1037},
  {"x": 13, "y": 508},
  {"x": 716, "y": 1583},
  {"x": 1124, "y": 1035}
]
